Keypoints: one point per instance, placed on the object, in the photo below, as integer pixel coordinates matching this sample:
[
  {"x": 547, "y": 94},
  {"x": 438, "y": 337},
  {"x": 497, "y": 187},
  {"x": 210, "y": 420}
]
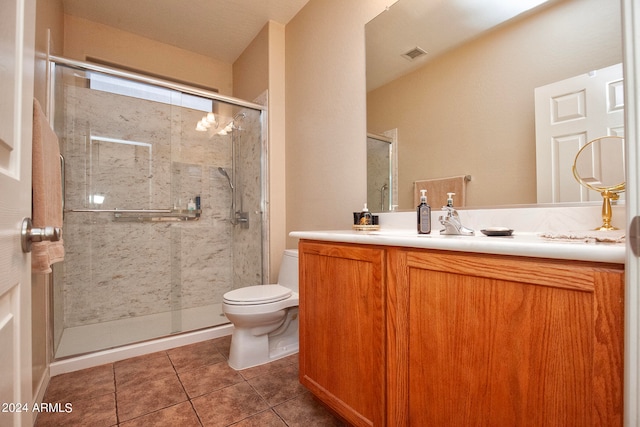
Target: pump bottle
[
  {"x": 424, "y": 214},
  {"x": 365, "y": 216},
  {"x": 450, "y": 199}
]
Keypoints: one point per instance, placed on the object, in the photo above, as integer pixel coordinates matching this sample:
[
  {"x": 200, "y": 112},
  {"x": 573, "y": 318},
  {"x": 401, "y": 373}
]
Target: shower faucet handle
[
  {"x": 29, "y": 234},
  {"x": 242, "y": 218}
]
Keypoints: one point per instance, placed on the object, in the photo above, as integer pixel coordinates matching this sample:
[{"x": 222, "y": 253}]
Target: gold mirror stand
[
  {"x": 607, "y": 196},
  {"x": 608, "y": 192}
]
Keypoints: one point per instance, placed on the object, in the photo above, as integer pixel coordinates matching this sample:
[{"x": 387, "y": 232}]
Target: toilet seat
[{"x": 255, "y": 295}]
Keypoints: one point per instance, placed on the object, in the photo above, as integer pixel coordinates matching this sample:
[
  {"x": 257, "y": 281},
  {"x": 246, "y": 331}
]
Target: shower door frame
[{"x": 52, "y": 61}]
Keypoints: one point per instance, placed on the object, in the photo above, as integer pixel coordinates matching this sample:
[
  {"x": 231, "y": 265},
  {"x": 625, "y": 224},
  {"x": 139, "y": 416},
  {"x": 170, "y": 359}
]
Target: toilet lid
[{"x": 260, "y": 294}]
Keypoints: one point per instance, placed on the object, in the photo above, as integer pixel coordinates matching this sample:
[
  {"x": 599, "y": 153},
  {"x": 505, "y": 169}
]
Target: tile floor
[{"x": 185, "y": 386}]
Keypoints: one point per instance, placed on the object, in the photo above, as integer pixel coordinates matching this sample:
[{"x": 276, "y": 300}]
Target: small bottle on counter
[
  {"x": 450, "y": 199},
  {"x": 365, "y": 216},
  {"x": 424, "y": 214}
]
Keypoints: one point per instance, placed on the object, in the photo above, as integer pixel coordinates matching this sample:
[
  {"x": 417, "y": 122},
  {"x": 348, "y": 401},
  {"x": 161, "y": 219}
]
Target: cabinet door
[
  {"x": 506, "y": 341},
  {"x": 342, "y": 331}
]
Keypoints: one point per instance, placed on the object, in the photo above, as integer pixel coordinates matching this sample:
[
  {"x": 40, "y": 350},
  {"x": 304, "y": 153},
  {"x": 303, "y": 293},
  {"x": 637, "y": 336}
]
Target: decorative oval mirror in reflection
[{"x": 599, "y": 166}]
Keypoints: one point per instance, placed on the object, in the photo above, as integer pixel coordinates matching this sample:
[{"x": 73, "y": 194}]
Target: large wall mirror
[{"x": 467, "y": 106}]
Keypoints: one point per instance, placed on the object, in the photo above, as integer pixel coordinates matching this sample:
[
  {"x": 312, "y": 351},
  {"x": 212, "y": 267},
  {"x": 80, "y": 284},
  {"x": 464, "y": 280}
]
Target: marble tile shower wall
[{"x": 145, "y": 155}]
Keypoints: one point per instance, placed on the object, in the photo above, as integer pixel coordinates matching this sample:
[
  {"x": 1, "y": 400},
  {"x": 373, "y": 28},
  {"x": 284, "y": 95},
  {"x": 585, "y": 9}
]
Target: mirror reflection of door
[
  {"x": 379, "y": 173},
  {"x": 569, "y": 113}
]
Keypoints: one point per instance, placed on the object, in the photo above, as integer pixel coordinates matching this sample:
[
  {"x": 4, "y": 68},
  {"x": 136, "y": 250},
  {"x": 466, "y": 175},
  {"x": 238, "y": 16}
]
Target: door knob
[
  {"x": 634, "y": 236},
  {"x": 29, "y": 234}
]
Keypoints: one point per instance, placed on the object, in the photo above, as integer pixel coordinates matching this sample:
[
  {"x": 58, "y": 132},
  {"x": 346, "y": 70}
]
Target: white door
[
  {"x": 570, "y": 113},
  {"x": 631, "y": 24},
  {"x": 17, "y": 26}
]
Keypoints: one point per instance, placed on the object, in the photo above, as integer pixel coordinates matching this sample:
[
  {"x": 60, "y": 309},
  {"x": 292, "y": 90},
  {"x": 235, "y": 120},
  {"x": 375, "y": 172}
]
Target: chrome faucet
[{"x": 451, "y": 220}]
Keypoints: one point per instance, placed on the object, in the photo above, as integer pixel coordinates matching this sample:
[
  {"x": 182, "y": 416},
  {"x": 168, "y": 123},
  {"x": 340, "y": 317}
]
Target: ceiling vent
[{"x": 414, "y": 53}]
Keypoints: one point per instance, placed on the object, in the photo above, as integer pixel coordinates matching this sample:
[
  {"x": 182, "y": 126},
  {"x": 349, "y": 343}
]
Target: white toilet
[{"x": 265, "y": 318}]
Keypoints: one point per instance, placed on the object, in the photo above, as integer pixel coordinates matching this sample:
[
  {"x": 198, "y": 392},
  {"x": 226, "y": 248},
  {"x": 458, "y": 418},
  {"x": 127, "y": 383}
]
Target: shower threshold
[{"x": 116, "y": 333}]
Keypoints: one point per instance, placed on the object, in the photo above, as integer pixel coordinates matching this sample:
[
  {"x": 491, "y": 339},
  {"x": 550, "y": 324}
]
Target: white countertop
[{"x": 527, "y": 244}]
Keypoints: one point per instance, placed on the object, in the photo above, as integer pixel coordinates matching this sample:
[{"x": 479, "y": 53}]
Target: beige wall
[
  {"x": 83, "y": 38},
  {"x": 471, "y": 111},
  {"x": 276, "y": 131},
  {"x": 251, "y": 68},
  {"x": 326, "y": 113},
  {"x": 49, "y": 26}
]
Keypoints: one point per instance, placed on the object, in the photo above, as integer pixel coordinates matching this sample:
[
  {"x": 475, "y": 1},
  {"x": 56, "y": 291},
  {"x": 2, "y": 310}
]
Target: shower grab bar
[
  {"x": 126, "y": 210},
  {"x": 63, "y": 179},
  {"x": 148, "y": 215}
]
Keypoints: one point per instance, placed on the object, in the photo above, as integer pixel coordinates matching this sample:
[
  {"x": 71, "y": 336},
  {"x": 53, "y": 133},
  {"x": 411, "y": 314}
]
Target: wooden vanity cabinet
[
  {"x": 492, "y": 340},
  {"x": 342, "y": 329},
  {"x": 442, "y": 338}
]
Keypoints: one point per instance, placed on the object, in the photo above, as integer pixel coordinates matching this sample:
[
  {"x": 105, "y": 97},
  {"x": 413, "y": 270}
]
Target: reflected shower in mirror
[
  {"x": 382, "y": 188},
  {"x": 469, "y": 109}
]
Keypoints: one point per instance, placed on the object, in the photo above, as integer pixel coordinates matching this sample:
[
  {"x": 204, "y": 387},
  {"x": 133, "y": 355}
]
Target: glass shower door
[{"x": 151, "y": 232}]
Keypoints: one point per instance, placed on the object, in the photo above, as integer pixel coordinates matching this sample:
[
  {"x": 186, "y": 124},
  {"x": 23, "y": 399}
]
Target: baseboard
[{"x": 113, "y": 355}]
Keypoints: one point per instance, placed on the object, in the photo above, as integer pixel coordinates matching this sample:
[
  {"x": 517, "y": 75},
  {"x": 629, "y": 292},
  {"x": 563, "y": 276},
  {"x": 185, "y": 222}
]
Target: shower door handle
[{"x": 29, "y": 234}]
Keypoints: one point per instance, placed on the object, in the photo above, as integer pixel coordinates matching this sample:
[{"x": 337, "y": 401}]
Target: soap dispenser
[
  {"x": 450, "y": 199},
  {"x": 365, "y": 216},
  {"x": 424, "y": 214}
]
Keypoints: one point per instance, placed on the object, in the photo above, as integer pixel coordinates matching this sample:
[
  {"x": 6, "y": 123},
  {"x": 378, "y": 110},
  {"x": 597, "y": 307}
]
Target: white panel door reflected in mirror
[{"x": 569, "y": 113}]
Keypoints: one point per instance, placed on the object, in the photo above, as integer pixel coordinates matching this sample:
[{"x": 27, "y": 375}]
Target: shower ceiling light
[
  {"x": 202, "y": 125},
  {"x": 207, "y": 122}
]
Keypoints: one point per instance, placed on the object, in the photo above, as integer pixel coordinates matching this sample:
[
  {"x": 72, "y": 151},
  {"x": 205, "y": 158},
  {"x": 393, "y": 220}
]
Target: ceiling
[
  {"x": 222, "y": 29},
  {"x": 219, "y": 29},
  {"x": 435, "y": 26}
]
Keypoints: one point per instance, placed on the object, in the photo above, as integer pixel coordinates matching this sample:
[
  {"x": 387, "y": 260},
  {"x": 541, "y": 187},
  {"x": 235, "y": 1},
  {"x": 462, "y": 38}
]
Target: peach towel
[
  {"x": 47, "y": 191},
  {"x": 437, "y": 190}
]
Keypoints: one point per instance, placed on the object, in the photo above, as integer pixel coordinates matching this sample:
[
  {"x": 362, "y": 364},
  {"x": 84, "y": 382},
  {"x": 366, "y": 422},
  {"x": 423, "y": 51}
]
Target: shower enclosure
[
  {"x": 382, "y": 171},
  {"x": 163, "y": 206}
]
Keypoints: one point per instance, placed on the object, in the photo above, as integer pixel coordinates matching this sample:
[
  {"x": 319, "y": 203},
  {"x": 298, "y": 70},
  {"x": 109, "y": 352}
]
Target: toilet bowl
[{"x": 265, "y": 318}]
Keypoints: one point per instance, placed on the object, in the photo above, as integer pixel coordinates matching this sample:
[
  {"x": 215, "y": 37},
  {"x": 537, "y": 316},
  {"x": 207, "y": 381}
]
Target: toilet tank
[{"x": 288, "y": 276}]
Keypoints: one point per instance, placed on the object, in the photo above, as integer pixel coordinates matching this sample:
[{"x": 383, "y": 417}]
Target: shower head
[
  {"x": 237, "y": 119},
  {"x": 224, "y": 173}
]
